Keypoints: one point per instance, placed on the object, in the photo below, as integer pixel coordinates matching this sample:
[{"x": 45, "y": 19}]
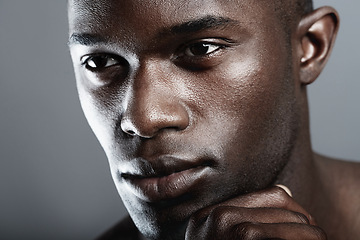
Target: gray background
[{"x": 54, "y": 178}]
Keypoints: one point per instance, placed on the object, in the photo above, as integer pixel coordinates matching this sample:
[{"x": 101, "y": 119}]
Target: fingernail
[{"x": 285, "y": 188}]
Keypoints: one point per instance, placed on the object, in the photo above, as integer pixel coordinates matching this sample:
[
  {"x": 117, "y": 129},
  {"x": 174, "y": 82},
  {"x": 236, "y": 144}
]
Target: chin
[
  {"x": 159, "y": 225},
  {"x": 164, "y": 219}
]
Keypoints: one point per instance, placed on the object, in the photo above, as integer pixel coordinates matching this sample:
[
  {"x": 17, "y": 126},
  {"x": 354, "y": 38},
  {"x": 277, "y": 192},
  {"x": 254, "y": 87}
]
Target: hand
[{"x": 267, "y": 214}]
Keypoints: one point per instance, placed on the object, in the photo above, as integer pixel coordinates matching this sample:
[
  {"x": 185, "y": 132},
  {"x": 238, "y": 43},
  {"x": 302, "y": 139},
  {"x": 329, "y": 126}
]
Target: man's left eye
[{"x": 201, "y": 49}]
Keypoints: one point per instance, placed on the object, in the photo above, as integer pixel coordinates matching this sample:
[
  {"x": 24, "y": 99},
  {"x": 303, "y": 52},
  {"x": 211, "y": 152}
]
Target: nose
[{"x": 153, "y": 103}]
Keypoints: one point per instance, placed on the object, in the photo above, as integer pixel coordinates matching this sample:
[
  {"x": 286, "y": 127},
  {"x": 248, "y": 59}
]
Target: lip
[{"x": 168, "y": 181}]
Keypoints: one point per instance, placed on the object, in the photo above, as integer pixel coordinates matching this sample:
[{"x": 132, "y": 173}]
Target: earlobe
[{"x": 317, "y": 32}]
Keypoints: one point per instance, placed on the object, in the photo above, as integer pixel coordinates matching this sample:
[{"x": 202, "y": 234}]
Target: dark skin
[{"x": 201, "y": 108}]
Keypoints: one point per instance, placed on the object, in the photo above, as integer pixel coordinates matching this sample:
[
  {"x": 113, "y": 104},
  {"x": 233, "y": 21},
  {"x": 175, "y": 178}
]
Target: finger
[
  {"x": 275, "y": 197},
  {"x": 293, "y": 231},
  {"x": 222, "y": 219}
]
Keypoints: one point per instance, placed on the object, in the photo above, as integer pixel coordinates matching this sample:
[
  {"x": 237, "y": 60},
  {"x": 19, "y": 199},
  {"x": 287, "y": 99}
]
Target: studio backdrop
[{"x": 54, "y": 178}]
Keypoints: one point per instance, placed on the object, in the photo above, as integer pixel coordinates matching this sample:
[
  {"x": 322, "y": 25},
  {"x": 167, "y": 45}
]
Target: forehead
[{"x": 129, "y": 15}]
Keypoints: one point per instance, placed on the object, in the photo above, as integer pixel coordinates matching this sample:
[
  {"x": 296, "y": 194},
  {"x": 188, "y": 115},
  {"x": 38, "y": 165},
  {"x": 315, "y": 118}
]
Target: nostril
[
  {"x": 146, "y": 120},
  {"x": 130, "y": 132},
  {"x": 127, "y": 128}
]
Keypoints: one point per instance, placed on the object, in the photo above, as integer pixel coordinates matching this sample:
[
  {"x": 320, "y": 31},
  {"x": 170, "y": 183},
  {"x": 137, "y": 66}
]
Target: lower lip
[{"x": 172, "y": 186}]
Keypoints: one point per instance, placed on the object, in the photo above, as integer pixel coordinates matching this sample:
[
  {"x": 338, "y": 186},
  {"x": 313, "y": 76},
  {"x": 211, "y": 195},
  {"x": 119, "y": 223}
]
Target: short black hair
[
  {"x": 307, "y": 5},
  {"x": 290, "y": 12}
]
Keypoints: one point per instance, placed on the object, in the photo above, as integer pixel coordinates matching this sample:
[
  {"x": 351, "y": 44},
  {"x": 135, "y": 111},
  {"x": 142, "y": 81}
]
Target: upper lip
[{"x": 161, "y": 167}]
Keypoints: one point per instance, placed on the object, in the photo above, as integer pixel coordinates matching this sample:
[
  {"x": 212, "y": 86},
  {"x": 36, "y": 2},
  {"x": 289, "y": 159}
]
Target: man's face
[{"x": 194, "y": 102}]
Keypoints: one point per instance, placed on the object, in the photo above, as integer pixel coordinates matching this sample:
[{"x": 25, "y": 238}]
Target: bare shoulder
[
  {"x": 341, "y": 181},
  {"x": 340, "y": 173}
]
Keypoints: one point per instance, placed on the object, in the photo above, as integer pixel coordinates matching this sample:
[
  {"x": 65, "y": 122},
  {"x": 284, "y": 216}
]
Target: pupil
[
  {"x": 199, "y": 49},
  {"x": 99, "y": 61}
]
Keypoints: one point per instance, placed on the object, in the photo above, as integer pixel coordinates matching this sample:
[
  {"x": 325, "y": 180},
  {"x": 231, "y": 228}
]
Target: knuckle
[{"x": 219, "y": 216}]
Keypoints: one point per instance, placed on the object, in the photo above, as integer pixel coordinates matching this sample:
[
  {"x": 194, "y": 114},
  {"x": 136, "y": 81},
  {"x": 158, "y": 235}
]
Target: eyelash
[
  {"x": 206, "y": 45},
  {"x": 105, "y": 58},
  {"x": 209, "y": 57},
  {"x": 190, "y": 53}
]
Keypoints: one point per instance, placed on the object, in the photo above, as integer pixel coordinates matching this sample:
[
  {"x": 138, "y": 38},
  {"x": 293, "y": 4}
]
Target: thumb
[{"x": 285, "y": 188}]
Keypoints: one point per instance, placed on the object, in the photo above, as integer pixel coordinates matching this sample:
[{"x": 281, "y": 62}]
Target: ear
[{"x": 317, "y": 32}]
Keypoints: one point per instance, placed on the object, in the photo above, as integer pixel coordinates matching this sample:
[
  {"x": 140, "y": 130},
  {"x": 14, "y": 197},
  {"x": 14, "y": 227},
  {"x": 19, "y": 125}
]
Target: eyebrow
[
  {"x": 188, "y": 27},
  {"x": 200, "y": 24},
  {"x": 86, "y": 39}
]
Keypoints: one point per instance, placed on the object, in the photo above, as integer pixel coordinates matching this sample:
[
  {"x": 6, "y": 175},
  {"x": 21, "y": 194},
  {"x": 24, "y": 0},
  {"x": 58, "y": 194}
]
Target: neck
[{"x": 300, "y": 174}]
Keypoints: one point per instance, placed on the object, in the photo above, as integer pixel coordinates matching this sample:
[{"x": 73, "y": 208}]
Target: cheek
[
  {"x": 243, "y": 102},
  {"x": 244, "y": 91},
  {"x": 94, "y": 116},
  {"x": 98, "y": 114}
]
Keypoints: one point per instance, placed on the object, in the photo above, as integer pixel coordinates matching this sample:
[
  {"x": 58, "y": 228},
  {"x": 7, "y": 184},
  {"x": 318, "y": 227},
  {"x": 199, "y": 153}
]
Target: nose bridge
[
  {"x": 150, "y": 77},
  {"x": 153, "y": 102}
]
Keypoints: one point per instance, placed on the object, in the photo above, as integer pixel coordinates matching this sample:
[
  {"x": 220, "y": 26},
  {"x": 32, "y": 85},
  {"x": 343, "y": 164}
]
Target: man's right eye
[{"x": 99, "y": 62}]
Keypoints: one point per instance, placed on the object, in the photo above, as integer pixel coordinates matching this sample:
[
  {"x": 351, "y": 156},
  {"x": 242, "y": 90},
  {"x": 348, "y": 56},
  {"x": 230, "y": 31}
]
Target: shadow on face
[{"x": 194, "y": 102}]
